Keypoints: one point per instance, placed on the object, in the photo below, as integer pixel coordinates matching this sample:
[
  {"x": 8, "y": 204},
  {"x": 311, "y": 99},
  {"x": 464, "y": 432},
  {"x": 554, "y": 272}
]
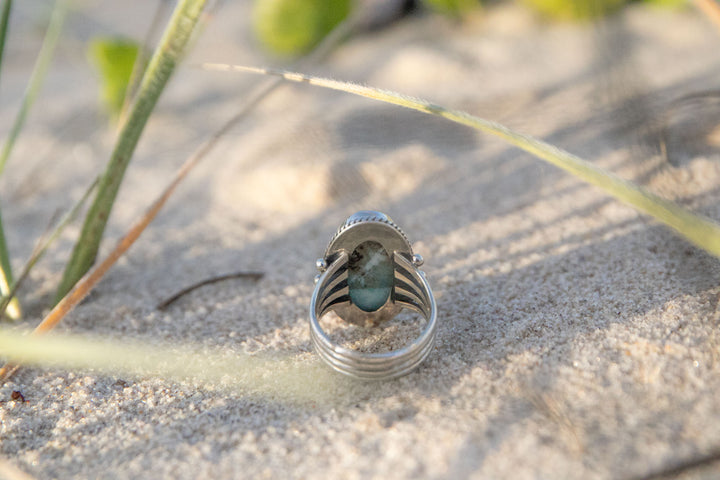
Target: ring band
[{"x": 367, "y": 276}]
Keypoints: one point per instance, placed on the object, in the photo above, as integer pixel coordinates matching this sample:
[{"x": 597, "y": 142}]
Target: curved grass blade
[
  {"x": 167, "y": 55},
  {"x": 699, "y": 230},
  {"x": 37, "y": 77}
]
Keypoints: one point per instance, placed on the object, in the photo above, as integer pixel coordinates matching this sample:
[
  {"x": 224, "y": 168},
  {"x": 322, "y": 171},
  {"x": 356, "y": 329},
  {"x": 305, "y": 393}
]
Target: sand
[{"x": 577, "y": 338}]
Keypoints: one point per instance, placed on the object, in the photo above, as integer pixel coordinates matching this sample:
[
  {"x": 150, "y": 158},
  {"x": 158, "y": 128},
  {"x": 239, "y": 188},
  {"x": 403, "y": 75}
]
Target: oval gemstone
[{"x": 370, "y": 276}]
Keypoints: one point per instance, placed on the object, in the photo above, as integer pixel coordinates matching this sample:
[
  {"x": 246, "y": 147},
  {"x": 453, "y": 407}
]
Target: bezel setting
[
  {"x": 363, "y": 226},
  {"x": 358, "y": 256}
]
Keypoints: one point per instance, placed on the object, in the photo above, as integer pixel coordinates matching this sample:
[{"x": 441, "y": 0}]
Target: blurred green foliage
[
  {"x": 574, "y": 9},
  {"x": 452, "y": 7},
  {"x": 114, "y": 58},
  {"x": 668, "y": 3},
  {"x": 293, "y": 27}
]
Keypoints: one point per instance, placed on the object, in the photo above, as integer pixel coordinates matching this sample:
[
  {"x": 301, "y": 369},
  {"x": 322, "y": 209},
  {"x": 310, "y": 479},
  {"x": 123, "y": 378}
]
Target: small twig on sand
[
  {"x": 673, "y": 471},
  {"x": 174, "y": 297}
]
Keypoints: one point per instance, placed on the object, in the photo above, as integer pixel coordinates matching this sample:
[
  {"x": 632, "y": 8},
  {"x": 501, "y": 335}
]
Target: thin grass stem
[{"x": 12, "y": 309}]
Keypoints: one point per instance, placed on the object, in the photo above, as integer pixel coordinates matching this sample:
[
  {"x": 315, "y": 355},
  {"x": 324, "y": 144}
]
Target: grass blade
[
  {"x": 166, "y": 56},
  {"x": 4, "y": 19},
  {"x": 12, "y": 309},
  {"x": 37, "y": 77},
  {"x": 282, "y": 377},
  {"x": 143, "y": 57},
  {"x": 699, "y": 230}
]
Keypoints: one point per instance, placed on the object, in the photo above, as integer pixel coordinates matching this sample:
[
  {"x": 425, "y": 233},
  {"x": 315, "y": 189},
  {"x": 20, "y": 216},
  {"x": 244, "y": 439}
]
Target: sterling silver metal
[{"x": 410, "y": 290}]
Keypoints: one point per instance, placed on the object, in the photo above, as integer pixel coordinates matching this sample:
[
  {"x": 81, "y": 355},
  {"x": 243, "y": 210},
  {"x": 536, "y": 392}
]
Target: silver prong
[
  {"x": 321, "y": 265},
  {"x": 317, "y": 279},
  {"x": 417, "y": 260}
]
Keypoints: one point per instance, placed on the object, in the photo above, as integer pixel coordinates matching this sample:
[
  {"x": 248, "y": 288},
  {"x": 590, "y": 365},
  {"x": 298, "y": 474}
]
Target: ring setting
[{"x": 367, "y": 276}]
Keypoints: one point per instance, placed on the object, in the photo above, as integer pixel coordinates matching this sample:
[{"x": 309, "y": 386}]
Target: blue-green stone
[{"x": 370, "y": 276}]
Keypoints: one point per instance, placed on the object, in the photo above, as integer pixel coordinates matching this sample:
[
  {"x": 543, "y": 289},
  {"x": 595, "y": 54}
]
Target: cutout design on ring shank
[{"x": 367, "y": 276}]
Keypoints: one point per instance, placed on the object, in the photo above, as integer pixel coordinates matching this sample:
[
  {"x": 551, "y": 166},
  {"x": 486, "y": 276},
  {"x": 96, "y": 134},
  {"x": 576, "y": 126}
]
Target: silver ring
[{"x": 367, "y": 276}]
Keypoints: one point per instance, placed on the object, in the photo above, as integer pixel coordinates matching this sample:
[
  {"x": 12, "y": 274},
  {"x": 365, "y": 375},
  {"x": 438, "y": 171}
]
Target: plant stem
[
  {"x": 37, "y": 77},
  {"x": 4, "y": 18},
  {"x": 166, "y": 56},
  {"x": 142, "y": 58},
  {"x": 12, "y": 310}
]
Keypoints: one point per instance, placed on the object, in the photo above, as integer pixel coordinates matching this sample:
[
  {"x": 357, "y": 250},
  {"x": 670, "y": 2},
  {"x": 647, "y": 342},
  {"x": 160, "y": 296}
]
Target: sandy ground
[{"x": 576, "y": 339}]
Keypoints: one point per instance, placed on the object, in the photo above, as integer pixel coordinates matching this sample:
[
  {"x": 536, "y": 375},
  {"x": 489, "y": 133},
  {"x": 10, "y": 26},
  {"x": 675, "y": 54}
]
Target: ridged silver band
[{"x": 411, "y": 290}]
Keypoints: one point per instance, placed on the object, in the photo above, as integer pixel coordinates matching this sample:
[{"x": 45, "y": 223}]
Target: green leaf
[
  {"x": 114, "y": 59},
  {"x": 294, "y": 27}
]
